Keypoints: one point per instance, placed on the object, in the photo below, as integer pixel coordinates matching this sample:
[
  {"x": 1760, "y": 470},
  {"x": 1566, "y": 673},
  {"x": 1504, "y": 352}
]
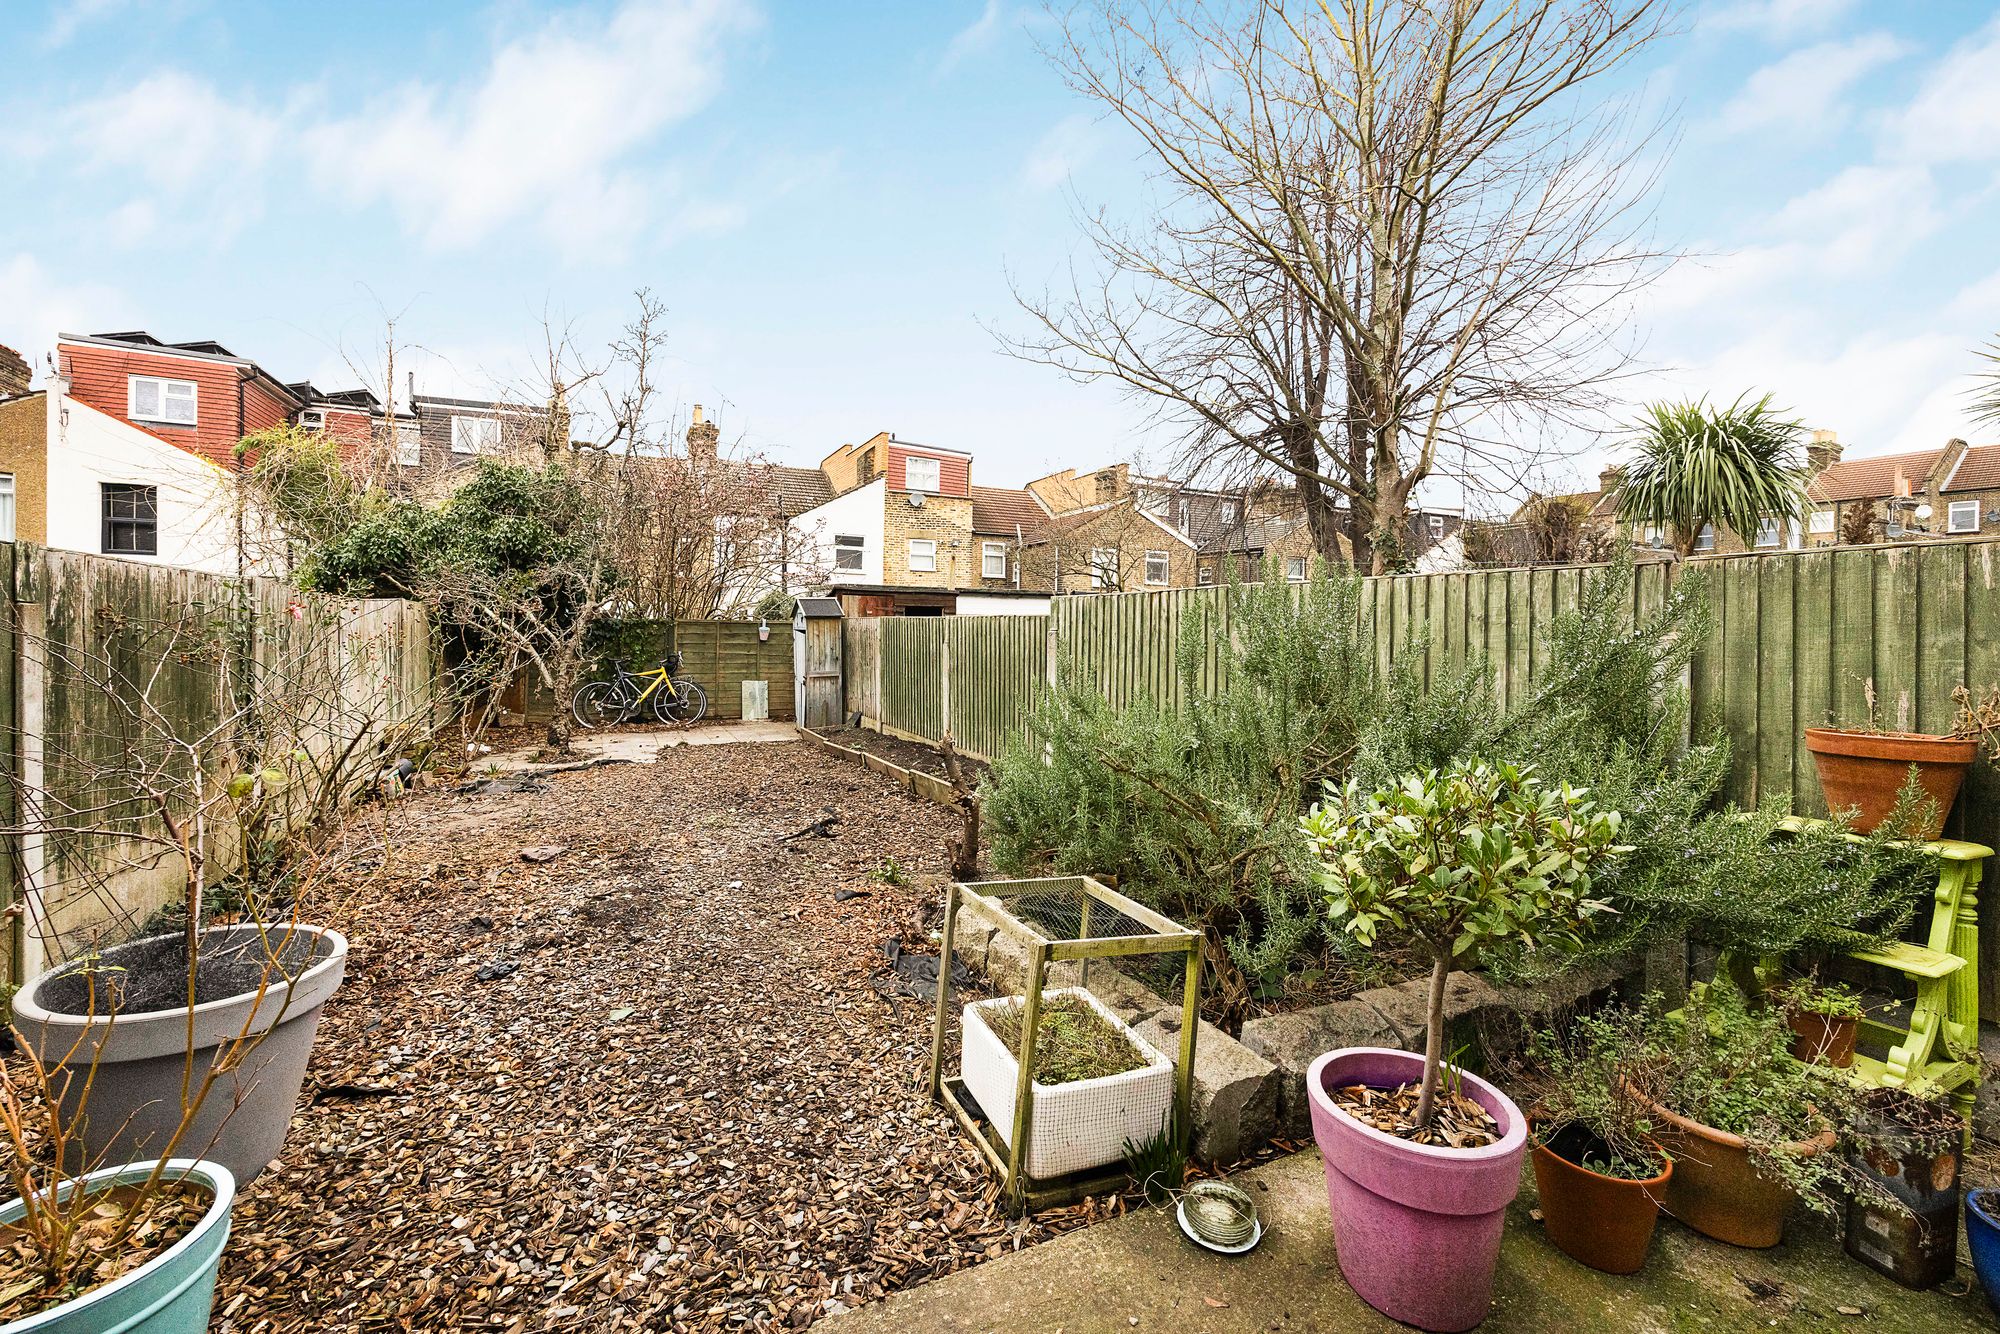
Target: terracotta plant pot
[
  {"x": 1601, "y": 1221},
  {"x": 1820, "y": 1040},
  {"x": 1416, "y": 1228},
  {"x": 1717, "y": 1191},
  {"x": 1863, "y": 772}
]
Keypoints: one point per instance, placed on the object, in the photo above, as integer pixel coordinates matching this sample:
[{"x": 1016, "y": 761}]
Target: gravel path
[{"x": 686, "y": 1106}]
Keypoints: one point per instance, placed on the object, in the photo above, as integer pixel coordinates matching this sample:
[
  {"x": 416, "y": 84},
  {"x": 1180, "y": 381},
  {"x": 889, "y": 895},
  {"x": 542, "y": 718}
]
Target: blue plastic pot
[
  {"x": 1982, "y": 1231},
  {"x": 169, "y": 1294}
]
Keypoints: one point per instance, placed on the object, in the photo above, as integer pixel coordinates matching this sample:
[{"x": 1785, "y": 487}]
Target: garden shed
[{"x": 816, "y": 661}]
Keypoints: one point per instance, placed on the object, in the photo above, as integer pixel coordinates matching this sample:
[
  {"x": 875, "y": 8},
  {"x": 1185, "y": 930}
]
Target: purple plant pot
[{"x": 1416, "y": 1229}]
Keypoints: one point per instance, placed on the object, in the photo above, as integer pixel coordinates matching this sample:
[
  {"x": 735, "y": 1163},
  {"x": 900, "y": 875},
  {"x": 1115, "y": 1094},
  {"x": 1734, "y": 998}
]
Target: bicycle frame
[{"x": 657, "y": 677}]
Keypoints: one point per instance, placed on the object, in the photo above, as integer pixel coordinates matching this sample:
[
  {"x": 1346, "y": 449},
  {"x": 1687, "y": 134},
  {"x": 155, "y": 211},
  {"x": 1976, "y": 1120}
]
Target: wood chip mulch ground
[{"x": 680, "y": 1101}]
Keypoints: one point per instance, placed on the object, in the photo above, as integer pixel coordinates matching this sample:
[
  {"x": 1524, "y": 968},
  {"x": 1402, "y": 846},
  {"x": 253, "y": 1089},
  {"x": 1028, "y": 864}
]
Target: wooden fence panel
[
  {"x": 861, "y": 664},
  {"x": 722, "y": 655},
  {"x": 913, "y": 675},
  {"x": 997, "y": 664}
]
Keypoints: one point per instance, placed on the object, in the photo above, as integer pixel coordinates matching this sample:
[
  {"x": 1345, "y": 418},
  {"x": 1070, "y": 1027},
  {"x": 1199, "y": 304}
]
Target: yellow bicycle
[{"x": 628, "y": 695}]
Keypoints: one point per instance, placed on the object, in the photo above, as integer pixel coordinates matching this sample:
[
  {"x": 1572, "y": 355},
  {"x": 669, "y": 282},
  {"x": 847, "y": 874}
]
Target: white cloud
[
  {"x": 1777, "y": 19},
  {"x": 1956, "y": 114},
  {"x": 176, "y": 133},
  {"x": 76, "y": 15},
  {"x": 1066, "y": 148},
  {"x": 974, "y": 38},
  {"x": 1808, "y": 89},
  {"x": 547, "y": 131},
  {"x": 36, "y": 307}
]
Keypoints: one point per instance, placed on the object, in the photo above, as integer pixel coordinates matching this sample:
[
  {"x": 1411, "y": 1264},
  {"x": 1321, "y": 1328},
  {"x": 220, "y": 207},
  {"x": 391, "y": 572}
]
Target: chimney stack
[
  {"x": 702, "y": 437},
  {"x": 1823, "y": 452},
  {"x": 14, "y": 373},
  {"x": 1610, "y": 478}
]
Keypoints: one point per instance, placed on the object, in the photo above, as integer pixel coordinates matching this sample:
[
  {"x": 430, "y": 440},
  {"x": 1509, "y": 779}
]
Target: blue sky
[{"x": 830, "y": 198}]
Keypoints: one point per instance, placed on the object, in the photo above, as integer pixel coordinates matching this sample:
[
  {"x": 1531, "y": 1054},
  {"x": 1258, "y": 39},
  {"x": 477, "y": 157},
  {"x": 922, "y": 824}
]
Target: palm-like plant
[
  {"x": 1986, "y": 390},
  {"x": 1698, "y": 465}
]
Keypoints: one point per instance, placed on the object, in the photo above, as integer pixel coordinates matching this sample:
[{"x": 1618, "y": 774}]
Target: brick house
[
  {"x": 24, "y": 477},
  {"x": 1951, "y": 491},
  {"x": 905, "y": 532},
  {"x": 1117, "y": 546},
  {"x": 106, "y": 487}
]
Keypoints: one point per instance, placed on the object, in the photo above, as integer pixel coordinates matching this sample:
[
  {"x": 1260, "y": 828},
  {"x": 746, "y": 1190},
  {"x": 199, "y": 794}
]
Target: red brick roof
[
  {"x": 1979, "y": 470},
  {"x": 1868, "y": 479},
  {"x": 999, "y": 509}
]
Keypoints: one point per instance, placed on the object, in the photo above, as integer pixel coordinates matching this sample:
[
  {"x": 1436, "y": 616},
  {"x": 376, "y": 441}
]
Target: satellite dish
[
  {"x": 916, "y": 500},
  {"x": 1923, "y": 511}
]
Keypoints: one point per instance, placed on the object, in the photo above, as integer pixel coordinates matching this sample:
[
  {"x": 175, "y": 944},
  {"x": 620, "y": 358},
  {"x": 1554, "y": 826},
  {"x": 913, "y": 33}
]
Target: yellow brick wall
[
  {"x": 1064, "y": 566},
  {"x": 946, "y": 520},
  {"x": 24, "y": 428}
]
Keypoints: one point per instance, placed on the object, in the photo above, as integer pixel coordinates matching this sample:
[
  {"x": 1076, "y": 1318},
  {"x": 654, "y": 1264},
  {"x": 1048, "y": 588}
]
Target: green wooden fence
[{"x": 1798, "y": 638}]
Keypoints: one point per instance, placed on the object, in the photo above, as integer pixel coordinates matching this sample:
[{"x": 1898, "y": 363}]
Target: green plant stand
[
  {"x": 1938, "y": 1050},
  {"x": 1062, "y": 919}
]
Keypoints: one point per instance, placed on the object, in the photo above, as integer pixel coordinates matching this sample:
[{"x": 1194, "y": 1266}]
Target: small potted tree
[
  {"x": 1419, "y": 1174},
  {"x": 1600, "y": 1176},
  {"x": 1825, "y": 1019}
]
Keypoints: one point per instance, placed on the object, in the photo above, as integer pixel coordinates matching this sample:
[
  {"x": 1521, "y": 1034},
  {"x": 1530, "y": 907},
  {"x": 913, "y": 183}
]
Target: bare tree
[{"x": 1390, "y": 243}]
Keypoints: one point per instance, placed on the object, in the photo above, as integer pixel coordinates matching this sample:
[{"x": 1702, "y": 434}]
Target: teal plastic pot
[{"x": 169, "y": 1294}]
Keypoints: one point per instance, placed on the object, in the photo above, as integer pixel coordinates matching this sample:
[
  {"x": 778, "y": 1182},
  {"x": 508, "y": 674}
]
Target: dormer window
[
  {"x": 920, "y": 474},
  {"x": 149, "y": 398}
]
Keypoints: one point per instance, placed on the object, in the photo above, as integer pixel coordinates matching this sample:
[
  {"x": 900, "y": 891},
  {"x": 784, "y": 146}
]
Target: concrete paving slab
[
  {"x": 639, "y": 745},
  {"x": 1139, "y": 1273}
]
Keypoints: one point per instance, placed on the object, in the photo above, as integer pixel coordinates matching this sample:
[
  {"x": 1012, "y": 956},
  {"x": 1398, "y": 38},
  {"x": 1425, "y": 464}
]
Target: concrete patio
[
  {"x": 1140, "y": 1273},
  {"x": 640, "y": 745}
]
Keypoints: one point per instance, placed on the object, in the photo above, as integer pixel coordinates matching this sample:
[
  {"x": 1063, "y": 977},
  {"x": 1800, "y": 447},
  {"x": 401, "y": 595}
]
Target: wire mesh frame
[{"x": 1104, "y": 925}]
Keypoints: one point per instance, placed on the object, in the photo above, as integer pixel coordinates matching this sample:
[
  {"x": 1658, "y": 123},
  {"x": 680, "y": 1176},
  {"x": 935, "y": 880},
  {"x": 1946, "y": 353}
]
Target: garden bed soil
[
  {"x": 913, "y": 755},
  {"x": 694, "y": 1102},
  {"x": 167, "y": 1215}
]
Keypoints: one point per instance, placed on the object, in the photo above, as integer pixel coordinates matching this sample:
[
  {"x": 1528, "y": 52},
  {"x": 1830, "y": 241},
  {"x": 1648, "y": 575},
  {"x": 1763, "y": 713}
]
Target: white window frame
[
  {"x": 166, "y": 391},
  {"x": 922, "y": 474},
  {"x": 1957, "y": 507},
  {"x": 1205, "y": 575},
  {"x": 923, "y": 555},
  {"x": 1187, "y": 517},
  {"x": 1437, "y": 526},
  {"x": 1705, "y": 539},
  {"x": 1228, "y": 512},
  {"x": 1773, "y": 527},
  {"x": 990, "y": 554},
  {"x": 1654, "y": 536},
  {"x": 6, "y": 507},
  {"x": 850, "y": 552},
  {"x": 1822, "y": 521},
  {"x": 488, "y": 436},
  {"x": 313, "y": 419},
  {"x": 1295, "y": 569},
  {"x": 1158, "y": 558},
  {"x": 1104, "y": 567},
  {"x": 409, "y": 443}
]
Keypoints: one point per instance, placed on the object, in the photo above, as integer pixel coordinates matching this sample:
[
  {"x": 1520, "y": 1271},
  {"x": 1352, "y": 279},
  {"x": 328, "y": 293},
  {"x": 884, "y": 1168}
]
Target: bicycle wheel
[
  {"x": 593, "y": 705},
  {"x": 687, "y": 705}
]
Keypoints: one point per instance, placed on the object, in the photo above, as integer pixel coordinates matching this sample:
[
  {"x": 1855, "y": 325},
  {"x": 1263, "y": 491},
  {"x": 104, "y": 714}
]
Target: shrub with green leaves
[
  {"x": 1592, "y": 1081},
  {"x": 1192, "y": 805},
  {"x": 1455, "y": 859}
]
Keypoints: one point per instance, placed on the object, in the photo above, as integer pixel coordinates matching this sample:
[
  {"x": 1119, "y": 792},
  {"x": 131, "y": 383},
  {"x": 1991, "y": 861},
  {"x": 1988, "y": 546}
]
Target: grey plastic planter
[
  {"x": 169, "y": 1294},
  {"x": 135, "y": 1097}
]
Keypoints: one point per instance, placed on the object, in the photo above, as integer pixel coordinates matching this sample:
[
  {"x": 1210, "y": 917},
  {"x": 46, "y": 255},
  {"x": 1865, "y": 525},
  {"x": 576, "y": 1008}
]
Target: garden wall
[
  {"x": 1798, "y": 636},
  {"x": 175, "y": 647}
]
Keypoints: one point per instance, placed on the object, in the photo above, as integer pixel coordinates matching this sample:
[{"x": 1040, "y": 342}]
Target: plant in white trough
[{"x": 1096, "y": 1083}]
